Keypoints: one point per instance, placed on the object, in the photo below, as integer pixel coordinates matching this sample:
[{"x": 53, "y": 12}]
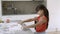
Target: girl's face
[{"x": 40, "y": 12}]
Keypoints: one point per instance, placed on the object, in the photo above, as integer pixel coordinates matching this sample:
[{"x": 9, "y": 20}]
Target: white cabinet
[
  {"x": 38, "y": 0},
  {"x": 16, "y": 0}
]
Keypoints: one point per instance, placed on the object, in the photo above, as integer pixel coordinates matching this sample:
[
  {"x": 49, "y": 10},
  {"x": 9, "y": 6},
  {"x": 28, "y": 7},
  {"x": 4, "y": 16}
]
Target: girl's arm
[
  {"x": 42, "y": 20},
  {"x": 29, "y": 20}
]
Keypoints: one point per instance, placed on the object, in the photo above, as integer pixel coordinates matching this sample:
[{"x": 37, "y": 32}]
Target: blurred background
[{"x": 15, "y": 10}]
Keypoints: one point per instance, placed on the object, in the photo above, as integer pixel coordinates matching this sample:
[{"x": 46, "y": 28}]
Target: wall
[{"x": 54, "y": 10}]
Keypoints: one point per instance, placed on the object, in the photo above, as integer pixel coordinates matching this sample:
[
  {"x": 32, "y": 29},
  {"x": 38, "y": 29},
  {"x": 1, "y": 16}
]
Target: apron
[{"x": 43, "y": 27}]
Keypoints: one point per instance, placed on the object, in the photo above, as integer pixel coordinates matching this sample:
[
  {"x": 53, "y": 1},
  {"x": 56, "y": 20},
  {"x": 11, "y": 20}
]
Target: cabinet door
[
  {"x": 16, "y": 0},
  {"x": 38, "y": 0},
  {"x": 6, "y": 0}
]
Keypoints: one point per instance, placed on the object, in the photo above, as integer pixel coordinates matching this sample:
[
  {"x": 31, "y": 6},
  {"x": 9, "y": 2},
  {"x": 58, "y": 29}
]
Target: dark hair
[
  {"x": 42, "y": 7},
  {"x": 46, "y": 13}
]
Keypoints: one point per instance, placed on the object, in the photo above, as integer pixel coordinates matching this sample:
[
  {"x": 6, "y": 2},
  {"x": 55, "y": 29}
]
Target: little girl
[{"x": 41, "y": 22}]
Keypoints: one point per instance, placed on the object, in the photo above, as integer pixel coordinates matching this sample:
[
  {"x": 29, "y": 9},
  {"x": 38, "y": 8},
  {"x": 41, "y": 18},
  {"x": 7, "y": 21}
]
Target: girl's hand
[
  {"x": 25, "y": 28},
  {"x": 20, "y": 22}
]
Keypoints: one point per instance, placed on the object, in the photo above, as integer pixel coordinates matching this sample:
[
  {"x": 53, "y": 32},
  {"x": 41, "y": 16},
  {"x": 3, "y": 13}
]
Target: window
[{"x": 19, "y": 7}]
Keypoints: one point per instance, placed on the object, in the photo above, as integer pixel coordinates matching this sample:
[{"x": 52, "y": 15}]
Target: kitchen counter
[{"x": 13, "y": 28}]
